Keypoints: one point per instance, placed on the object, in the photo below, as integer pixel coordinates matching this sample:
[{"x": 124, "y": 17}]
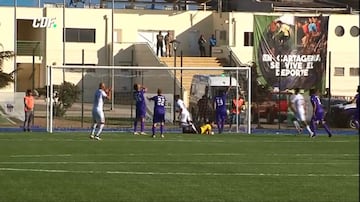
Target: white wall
[
  {"x": 187, "y": 26},
  {"x": 344, "y": 53}
]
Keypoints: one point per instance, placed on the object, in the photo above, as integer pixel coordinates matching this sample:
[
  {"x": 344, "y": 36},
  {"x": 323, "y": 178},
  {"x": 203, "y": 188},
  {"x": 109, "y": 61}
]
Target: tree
[
  {"x": 5, "y": 78},
  {"x": 68, "y": 93}
]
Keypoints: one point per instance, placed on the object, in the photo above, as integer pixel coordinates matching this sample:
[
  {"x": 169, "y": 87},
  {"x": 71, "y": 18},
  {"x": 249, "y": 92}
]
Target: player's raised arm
[{"x": 108, "y": 93}]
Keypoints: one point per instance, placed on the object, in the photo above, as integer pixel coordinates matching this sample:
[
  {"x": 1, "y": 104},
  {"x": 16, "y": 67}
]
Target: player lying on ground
[{"x": 205, "y": 129}]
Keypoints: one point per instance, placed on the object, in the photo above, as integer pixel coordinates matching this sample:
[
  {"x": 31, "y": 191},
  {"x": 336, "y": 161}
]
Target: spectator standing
[
  {"x": 212, "y": 43},
  {"x": 139, "y": 92},
  {"x": 97, "y": 112},
  {"x": 236, "y": 111},
  {"x": 204, "y": 107},
  {"x": 159, "y": 112},
  {"x": 29, "y": 103},
  {"x": 159, "y": 44},
  {"x": 202, "y": 42},
  {"x": 168, "y": 39},
  {"x": 318, "y": 116}
]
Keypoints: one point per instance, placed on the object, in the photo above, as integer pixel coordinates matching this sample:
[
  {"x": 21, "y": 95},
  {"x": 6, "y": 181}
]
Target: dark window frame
[
  {"x": 79, "y": 35},
  {"x": 248, "y": 38}
]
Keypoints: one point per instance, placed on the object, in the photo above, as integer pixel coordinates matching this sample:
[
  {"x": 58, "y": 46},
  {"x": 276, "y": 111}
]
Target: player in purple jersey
[
  {"x": 159, "y": 112},
  {"x": 220, "y": 107},
  {"x": 318, "y": 113},
  {"x": 357, "y": 113},
  {"x": 140, "y": 108}
]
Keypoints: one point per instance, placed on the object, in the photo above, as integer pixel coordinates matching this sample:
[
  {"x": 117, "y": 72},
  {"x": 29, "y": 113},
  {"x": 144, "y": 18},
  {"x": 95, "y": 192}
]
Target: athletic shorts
[{"x": 98, "y": 116}]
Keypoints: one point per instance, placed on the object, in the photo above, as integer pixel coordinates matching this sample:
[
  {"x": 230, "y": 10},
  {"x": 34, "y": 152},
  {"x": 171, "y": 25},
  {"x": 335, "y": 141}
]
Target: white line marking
[
  {"x": 178, "y": 163},
  {"x": 180, "y": 173},
  {"x": 112, "y": 139},
  {"x": 181, "y": 154},
  {"x": 42, "y": 155}
]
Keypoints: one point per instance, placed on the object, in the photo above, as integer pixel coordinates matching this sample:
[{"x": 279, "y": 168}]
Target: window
[
  {"x": 79, "y": 35},
  {"x": 339, "y": 71},
  {"x": 354, "y": 71},
  {"x": 248, "y": 38},
  {"x": 222, "y": 35},
  {"x": 354, "y": 31},
  {"x": 339, "y": 31}
]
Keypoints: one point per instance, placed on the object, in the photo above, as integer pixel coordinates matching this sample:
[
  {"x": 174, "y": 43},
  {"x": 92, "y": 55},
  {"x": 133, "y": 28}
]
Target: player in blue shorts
[
  {"x": 159, "y": 112},
  {"x": 220, "y": 107},
  {"x": 139, "y": 92}
]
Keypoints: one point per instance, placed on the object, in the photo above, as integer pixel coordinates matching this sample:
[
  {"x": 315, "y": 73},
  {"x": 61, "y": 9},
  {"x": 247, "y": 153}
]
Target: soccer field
[{"x": 66, "y": 167}]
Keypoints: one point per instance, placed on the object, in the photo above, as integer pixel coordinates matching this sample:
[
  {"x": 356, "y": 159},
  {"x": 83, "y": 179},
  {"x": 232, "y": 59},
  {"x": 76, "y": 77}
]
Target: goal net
[{"x": 70, "y": 91}]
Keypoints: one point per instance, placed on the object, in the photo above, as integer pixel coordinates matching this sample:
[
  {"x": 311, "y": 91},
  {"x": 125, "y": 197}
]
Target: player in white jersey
[
  {"x": 97, "y": 112},
  {"x": 184, "y": 114},
  {"x": 298, "y": 107}
]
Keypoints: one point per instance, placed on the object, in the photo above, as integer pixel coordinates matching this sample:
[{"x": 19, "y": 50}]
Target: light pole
[{"x": 175, "y": 45}]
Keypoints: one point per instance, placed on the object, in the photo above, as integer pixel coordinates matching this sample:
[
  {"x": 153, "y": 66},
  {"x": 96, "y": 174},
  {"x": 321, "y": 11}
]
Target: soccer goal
[{"x": 70, "y": 95}]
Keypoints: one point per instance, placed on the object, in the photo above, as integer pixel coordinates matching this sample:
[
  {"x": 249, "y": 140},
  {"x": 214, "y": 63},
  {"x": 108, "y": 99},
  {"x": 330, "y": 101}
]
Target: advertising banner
[{"x": 290, "y": 51}]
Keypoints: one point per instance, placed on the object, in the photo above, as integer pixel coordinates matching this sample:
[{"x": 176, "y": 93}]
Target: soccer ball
[{"x": 212, "y": 133}]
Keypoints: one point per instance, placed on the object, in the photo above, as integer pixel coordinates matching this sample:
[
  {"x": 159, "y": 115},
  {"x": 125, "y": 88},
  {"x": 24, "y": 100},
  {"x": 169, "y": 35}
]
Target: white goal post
[{"x": 81, "y": 69}]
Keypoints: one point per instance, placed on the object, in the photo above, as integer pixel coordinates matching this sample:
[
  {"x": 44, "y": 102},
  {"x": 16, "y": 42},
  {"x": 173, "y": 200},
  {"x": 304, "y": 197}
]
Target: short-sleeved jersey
[
  {"x": 140, "y": 99},
  {"x": 181, "y": 105},
  {"x": 205, "y": 129},
  {"x": 220, "y": 103},
  {"x": 315, "y": 101},
  {"x": 159, "y": 104},
  {"x": 298, "y": 101},
  {"x": 99, "y": 99}
]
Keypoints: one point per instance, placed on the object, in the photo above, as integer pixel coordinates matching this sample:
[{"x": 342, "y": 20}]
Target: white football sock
[
  {"x": 93, "y": 129},
  {"x": 100, "y": 130}
]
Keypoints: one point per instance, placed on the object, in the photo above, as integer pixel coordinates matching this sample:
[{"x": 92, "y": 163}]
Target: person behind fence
[
  {"x": 236, "y": 111},
  {"x": 139, "y": 92},
  {"x": 159, "y": 44},
  {"x": 168, "y": 47},
  {"x": 97, "y": 111},
  {"x": 201, "y": 43},
  {"x": 212, "y": 43},
  {"x": 203, "y": 109},
  {"x": 29, "y": 103}
]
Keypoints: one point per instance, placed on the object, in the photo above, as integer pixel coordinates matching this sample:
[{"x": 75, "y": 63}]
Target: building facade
[{"x": 48, "y": 36}]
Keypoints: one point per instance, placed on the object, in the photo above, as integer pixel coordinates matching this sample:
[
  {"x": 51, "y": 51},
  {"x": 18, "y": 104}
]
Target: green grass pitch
[{"x": 69, "y": 167}]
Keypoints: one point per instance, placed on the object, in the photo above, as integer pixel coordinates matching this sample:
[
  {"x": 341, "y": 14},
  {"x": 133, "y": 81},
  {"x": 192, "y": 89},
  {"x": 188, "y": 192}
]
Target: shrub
[{"x": 65, "y": 95}]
